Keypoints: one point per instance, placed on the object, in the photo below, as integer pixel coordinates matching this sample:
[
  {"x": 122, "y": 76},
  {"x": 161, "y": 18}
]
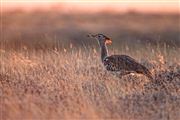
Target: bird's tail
[{"x": 143, "y": 70}]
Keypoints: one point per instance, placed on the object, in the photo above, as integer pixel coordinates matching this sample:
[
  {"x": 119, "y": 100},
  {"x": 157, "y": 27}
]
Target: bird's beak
[
  {"x": 108, "y": 41},
  {"x": 92, "y": 36}
]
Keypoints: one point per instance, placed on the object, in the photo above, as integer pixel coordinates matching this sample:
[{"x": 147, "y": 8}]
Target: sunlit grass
[
  {"x": 49, "y": 69},
  {"x": 73, "y": 84}
]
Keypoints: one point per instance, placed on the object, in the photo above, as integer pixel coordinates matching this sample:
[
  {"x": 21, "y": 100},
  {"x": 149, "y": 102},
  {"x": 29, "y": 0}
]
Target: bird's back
[
  {"x": 124, "y": 63},
  {"x": 119, "y": 62}
]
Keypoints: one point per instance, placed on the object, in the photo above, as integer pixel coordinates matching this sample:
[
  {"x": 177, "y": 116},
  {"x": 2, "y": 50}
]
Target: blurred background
[{"x": 53, "y": 24}]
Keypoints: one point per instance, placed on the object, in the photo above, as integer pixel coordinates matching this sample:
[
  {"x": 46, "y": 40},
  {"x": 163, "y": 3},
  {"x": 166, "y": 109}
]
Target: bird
[{"x": 122, "y": 63}]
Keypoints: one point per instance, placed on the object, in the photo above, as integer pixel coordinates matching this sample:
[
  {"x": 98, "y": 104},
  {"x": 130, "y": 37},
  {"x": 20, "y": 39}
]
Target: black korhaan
[{"x": 121, "y": 63}]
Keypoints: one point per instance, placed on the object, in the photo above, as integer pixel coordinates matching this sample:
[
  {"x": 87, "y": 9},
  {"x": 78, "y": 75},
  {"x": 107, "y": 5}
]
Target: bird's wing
[
  {"x": 120, "y": 62},
  {"x": 125, "y": 63}
]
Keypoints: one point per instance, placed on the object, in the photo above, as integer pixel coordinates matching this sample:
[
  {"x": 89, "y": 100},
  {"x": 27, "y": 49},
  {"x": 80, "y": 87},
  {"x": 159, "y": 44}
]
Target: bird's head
[{"x": 102, "y": 39}]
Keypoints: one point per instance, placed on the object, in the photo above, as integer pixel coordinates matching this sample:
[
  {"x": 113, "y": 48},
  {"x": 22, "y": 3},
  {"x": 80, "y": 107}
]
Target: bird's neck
[{"x": 104, "y": 52}]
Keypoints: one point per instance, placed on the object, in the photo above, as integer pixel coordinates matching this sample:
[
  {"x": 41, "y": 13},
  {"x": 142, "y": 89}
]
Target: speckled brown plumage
[
  {"x": 125, "y": 63},
  {"x": 119, "y": 62}
]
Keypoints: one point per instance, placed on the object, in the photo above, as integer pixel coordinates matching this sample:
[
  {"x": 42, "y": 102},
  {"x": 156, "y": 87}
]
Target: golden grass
[
  {"x": 49, "y": 69},
  {"x": 74, "y": 85}
]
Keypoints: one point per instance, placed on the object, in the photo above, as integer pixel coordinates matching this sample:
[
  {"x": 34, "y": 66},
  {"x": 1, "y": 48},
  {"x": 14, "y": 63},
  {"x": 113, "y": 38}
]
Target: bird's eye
[{"x": 106, "y": 59}]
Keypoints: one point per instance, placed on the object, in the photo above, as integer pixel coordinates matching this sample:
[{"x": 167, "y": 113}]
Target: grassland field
[{"x": 50, "y": 70}]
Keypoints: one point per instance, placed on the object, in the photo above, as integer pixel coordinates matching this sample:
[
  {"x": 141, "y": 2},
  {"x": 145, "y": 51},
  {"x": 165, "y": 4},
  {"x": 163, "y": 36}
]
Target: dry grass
[
  {"x": 49, "y": 69},
  {"x": 73, "y": 85}
]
